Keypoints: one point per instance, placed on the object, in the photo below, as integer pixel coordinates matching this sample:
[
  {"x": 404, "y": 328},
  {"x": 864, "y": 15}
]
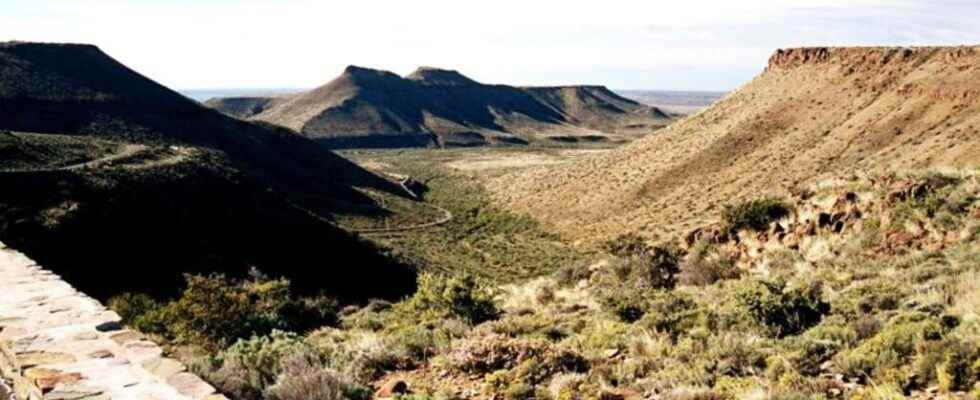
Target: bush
[
  {"x": 461, "y": 296},
  {"x": 248, "y": 367},
  {"x": 140, "y": 311},
  {"x": 960, "y": 367},
  {"x": 672, "y": 313},
  {"x": 213, "y": 311},
  {"x": 755, "y": 214},
  {"x": 893, "y": 347},
  {"x": 780, "y": 311},
  {"x": 364, "y": 356},
  {"x": 303, "y": 377},
  {"x": 657, "y": 265},
  {"x": 701, "y": 267},
  {"x": 129, "y": 306},
  {"x": 627, "y": 287}
]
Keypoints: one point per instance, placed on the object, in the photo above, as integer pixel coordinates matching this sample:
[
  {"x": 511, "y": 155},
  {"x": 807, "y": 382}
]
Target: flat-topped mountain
[
  {"x": 435, "y": 107},
  {"x": 111, "y": 174},
  {"x": 813, "y": 113}
]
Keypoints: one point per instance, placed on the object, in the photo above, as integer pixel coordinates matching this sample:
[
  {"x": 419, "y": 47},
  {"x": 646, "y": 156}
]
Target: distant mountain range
[{"x": 434, "y": 107}]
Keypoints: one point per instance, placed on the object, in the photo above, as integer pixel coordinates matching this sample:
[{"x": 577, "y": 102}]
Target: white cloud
[{"x": 300, "y": 43}]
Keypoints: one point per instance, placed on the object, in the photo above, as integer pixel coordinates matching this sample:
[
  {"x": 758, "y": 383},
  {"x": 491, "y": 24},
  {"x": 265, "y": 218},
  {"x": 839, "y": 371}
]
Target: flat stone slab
[{"x": 68, "y": 346}]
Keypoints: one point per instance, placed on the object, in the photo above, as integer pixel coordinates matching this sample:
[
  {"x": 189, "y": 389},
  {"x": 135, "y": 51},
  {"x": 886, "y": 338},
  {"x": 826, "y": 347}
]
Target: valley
[{"x": 812, "y": 234}]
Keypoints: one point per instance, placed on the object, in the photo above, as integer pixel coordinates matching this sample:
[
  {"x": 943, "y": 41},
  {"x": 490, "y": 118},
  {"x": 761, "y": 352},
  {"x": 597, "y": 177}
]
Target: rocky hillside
[
  {"x": 813, "y": 113},
  {"x": 123, "y": 184},
  {"x": 434, "y": 107}
]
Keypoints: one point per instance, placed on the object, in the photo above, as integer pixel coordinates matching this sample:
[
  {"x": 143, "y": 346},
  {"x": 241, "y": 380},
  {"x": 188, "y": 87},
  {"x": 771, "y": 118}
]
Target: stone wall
[{"x": 57, "y": 343}]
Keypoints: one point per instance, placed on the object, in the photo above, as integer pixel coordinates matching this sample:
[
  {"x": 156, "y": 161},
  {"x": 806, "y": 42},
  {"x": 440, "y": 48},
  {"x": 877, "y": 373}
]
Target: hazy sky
[{"x": 635, "y": 44}]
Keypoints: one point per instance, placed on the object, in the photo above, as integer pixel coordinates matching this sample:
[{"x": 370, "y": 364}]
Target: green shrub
[
  {"x": 780, "y": 311},
  {"x": 535, "y": 369},
  {"x": 893, "y": 347},
  {"x": 461, "y": 296},
  {"x": 140, "y": 311},
  {"x": 363, "y": 356},
  {"x": 419, "y": 342},
  {"x": 805, "y": 355},
  {"x": 870, "y": 297},
  {"x": 213, "y": 311},
  {"x": 129, "y": 306},
  {"x": 626, "y": 288},
  {"x": 959, "y": 369},
  {"x": 672, "y": 313},
  {"x": 755, "y": 214},
  {"x": 248, "y": 367}
]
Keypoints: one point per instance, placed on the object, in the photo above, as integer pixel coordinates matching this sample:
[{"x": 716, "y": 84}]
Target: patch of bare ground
[
  {"x": 517, "y": 160},
  {"x": 813, "y": 113}
]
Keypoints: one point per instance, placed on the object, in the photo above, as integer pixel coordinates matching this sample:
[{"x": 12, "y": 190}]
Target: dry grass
[{"x": 858, "y": 110}]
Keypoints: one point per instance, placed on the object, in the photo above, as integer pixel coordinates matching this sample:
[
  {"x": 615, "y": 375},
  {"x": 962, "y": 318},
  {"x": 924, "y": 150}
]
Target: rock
[
  {"x": 87, "y": 336},
  {"x": 101, "y": 354},
  {"x": 49, "y": 378},
  {"x": 124, "y": 337},
  {"x": 108, "y": 326},
  {"x": 35, "y": 358},
  {"x": 163, "y": 367},
  {"x": 823, "y": 219},
  {"x": 391, "y": 388},
  {"x": 76, "y": 392},
  {"x": 611, "y": 353},
  {"x": 190, "y": 385}
]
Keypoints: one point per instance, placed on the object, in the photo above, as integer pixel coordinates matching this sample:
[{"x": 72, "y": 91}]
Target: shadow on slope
[{"x": 110, "y": 231}]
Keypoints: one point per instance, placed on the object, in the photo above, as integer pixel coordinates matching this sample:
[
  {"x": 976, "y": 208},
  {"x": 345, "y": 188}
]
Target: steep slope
[
  {"x": 78, "y": 89},
  {"x": 123, "y": 184},
  {"x": 434, "y": 107},
  {"x": 813, "y": 113}
]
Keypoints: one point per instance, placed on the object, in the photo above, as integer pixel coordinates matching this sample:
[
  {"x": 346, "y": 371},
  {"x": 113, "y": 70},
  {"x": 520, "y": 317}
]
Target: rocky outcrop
[{"x": 57, "y": 343}]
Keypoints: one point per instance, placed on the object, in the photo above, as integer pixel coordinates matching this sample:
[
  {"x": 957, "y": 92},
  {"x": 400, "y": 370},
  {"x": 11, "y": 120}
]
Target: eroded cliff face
[{"x": 813, "y": 113}]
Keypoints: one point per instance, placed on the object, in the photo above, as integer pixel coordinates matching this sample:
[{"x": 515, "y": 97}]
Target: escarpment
[{"x": 813, "y": 113}]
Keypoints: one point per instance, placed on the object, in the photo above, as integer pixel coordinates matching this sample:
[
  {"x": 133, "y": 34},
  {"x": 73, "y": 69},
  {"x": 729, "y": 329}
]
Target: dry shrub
[
  {"x": 703, "y": 267},
  {"x": 304, "y": 378}
]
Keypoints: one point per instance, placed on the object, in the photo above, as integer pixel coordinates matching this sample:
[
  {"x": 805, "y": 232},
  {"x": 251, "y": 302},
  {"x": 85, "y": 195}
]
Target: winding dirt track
[
  {"x": 446, "y": 217},
  {"x": 125, "y": 151}
]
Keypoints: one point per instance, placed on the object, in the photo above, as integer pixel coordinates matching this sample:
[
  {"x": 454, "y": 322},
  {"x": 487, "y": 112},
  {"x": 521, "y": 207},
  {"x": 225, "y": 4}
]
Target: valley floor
[{"x": 480, "y": 238}]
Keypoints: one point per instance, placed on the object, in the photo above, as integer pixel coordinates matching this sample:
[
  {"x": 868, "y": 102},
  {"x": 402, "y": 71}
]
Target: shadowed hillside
[
  {"x": 813, "y": 113},
  {"x": 123, "y": 177},
  {"x": 434, "y": 107}
]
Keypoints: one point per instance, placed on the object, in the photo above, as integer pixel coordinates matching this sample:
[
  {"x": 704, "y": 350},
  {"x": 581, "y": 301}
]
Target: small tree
[{"x": 461, "y": 296}]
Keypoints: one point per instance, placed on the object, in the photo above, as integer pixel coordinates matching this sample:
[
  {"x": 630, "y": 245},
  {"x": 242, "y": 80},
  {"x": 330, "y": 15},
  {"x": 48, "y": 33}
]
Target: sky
[{"x": 623, "y": 44}]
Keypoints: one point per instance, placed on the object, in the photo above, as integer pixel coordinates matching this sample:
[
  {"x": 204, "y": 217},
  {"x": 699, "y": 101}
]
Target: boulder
[{"x": 391, "y": 388}]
